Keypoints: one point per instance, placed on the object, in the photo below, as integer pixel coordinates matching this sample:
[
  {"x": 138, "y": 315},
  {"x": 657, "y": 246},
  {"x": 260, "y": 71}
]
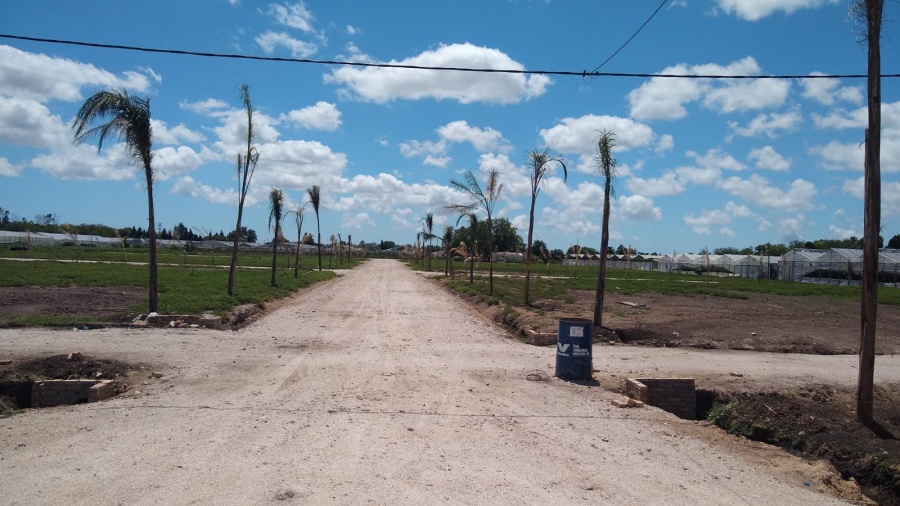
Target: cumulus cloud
[
  {"x": 890, "y": 194},
  {"x": 164, "y": 134},
  {"x": 38, "y": 77},
  {"x": 8, "y": 169},
  {"x": 665, "y": 98},
  {"x": 187, "y": 186},
  {"x": 26, "y": 122},
  {"x": 716, "y": 158},
  {"x": 322, "y": 116},
  {"x": 382, "y": 85},
  {"x": 767, "y": 158},
  {"x": 828, "y": 91},
  {"x": 768, "y": 124},
  {"x": 83, "y": 162},
  {"x": 754, "y": 10},
  {"x": 482, "y": 140},
  {"x": 169, "y": 161},
  {"x": 707, "y": 219},
  {"x": 665, "y": 144},
  {"x": 580, "y": 135},
  {"x": 638, "y": 207},
  {"x": 795, "y": 196},
  {"x": 665, "y": 185},
  {"x": 357, "y": 221}
]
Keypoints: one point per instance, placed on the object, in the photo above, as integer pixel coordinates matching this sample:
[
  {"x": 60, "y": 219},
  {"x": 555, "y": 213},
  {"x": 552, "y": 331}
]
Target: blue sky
[{"x": 702, "y": 163}]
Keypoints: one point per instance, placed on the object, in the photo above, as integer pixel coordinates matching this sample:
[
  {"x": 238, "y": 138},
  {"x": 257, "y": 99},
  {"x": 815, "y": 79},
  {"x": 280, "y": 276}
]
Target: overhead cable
[
  {"x": 632, "y": 36},
  {"x": 583, "y": 74}
]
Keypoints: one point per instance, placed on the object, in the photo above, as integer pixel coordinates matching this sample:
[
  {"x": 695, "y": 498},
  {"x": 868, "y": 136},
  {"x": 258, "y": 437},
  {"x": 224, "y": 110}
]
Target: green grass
[
  {"x": 182, "y": 290},
  {"x": 563, "y": 282},
  {"x": 174, "y": 256}
]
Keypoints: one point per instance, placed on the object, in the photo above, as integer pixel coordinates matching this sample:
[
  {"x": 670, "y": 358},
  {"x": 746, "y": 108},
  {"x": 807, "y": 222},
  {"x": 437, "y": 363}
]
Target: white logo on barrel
[{"x": 576, "y": 331}]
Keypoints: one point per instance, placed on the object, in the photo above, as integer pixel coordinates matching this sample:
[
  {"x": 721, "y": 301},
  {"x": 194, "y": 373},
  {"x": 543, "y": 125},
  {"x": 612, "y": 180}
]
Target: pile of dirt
[
  {"x": 16, "y": 378},
  {"x": 820, "y": 421}
]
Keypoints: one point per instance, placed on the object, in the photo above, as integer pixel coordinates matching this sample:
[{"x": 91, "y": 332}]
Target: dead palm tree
[
  {"x": 428, "y": 228},
  {"x": 246, "y": 165},
  {"x": 445, "y": 240},
  {"x": 871, "y": 13},
  {"x": 541, "y": 161},
  {"x": 276, "y": 203},
  {"x": 128, "y": 117},
  {"x": 298, "y": 219},
  {"x": 471, "y": 253},
  {"x": 484, "y": 201},
  {"x": 606, "y": 164},
  {"x": 314, "y": 199}
]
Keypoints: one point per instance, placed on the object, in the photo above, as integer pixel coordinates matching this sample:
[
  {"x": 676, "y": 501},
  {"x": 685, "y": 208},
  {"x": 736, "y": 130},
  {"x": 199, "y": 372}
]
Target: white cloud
[
  {"x": 699, "y": 175},
  {"x": 163, "y": 134},
  {"x": 383, "y": 85},
  {"x": 754, "y": 10},
  {"x": 843, "y": 233},
  {"x": 665, "y": 98},
  {"x": 716, "y": 158},
  {"x": 707, "y": 219},
  {"x": 768, "y": 124},
  {"x": 798, "y": 194},
  {"x": 269, "y": 41},
  {"x": 580, "y": 135},
  {"x": 83, "y": 162},
  {"x": 414, "y": 148},
  {"x": 667, "y": 184},
  {"x": 25, "y": 122},
  {"x": 638, "y": 207},
  {"x": 352, "y": 30},
  {"x": 357, "y": 221},
  {"x": 890, "y": 194},
  {"x": 169, "y": 161},
  {"x": 440, "y": 162},
  {"x": 828, "y": 91},
  {"x": 7, "y": 169},
  {"x": 482, "y": 140},
  {"x": 38, "y": 77},
  {"x": 839, "y": 156},
  {"x": 767, "y": 158},
  {"x": 186, "y": 185},
  {"x": 322, "y": 116},
  {"x": 208, "y": 107},
  {"x": 293, "y": 15},
  {"x": 665, "y": 144}
]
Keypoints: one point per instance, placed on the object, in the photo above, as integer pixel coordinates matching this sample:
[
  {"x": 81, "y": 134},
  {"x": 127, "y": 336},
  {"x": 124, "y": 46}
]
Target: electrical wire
[
  {"x": 583, "y": 74},
  {"x": 632, "y": 36}
]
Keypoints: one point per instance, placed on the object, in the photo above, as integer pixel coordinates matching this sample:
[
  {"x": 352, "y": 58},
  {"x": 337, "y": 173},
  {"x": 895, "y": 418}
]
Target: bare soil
[
  {"x": 92, "y": 303},
  {"x": 817, "y": 420}
]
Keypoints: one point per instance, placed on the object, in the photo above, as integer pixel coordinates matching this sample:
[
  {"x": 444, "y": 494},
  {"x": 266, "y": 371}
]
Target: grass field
[{"x": 509, "y": 283}]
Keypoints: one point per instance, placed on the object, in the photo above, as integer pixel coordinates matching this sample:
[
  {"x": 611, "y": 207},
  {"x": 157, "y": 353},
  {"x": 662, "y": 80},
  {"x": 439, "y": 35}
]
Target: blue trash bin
[{"x": 574, "y": 346}]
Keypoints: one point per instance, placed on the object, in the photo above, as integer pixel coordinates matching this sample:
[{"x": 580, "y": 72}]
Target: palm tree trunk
[
  {"x": 319, "y": 232},
  {"x": 234, "y": 249},
  {"x": 274, "y": 255},
  {"x": 490, "y": 257},
  {"x": 154, "y": 286},
  {"x": 604, "y": 245},
  {"x": 528, "y": 254}
]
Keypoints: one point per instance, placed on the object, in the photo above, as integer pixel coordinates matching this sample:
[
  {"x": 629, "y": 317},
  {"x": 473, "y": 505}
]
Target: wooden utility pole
[{"x": 869, "y": 293}]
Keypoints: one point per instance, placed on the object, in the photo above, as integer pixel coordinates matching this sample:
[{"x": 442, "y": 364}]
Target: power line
[
  {"x": 583, "y": 74},
  {"x": 632, "y": 36}
]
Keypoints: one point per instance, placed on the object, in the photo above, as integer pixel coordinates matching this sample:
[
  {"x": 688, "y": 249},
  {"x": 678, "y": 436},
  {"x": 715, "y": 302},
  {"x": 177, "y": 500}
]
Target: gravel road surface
[{"x": 376, "y": 388}]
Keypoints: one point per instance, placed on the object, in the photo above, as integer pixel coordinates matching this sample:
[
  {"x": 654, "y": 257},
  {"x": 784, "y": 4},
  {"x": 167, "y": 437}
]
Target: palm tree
[
  {"x": 129, "y": 119},
  {"x": 314, "y": 199},
  {"x": 470, "y": 252},
  {"x": 428, "y": 229},
  {"x": 484, "y": 201},
  {"x": 276, "y": 203},
  {"x": 298, "y": 219},
  {"x": 606, "y": 164},
  {"x": 541, "y": 161},
  {"x": 871, "y": 12},
  {"x": 246, "y": 165},
  {"x": 445, "y": 240}
]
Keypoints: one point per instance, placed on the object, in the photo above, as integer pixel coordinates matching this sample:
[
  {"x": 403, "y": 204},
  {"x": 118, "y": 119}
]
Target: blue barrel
[{"x": 574, "y": 344}]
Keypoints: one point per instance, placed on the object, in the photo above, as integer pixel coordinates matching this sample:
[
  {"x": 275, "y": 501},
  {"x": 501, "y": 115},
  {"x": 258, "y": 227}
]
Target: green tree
[
  {"x": 246, "y": 165},
  {"x": 606, "y": 164},
  {"x": 276, "y": 204},
  {"x": 541, "y": 162},
  {"x": 127, "y": 117},
  {"x": 894, "y": 243},
  {"x": 315, "y": 196},
  {"x": 483, "y": 200}
]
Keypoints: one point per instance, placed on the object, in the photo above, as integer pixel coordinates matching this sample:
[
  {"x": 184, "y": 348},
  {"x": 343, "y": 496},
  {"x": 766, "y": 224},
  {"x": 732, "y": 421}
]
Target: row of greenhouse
[{"x": 839, "y": 266}]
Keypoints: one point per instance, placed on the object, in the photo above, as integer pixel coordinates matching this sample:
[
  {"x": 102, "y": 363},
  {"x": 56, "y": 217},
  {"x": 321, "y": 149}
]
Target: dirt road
[{"x": 375, "y": 388}]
